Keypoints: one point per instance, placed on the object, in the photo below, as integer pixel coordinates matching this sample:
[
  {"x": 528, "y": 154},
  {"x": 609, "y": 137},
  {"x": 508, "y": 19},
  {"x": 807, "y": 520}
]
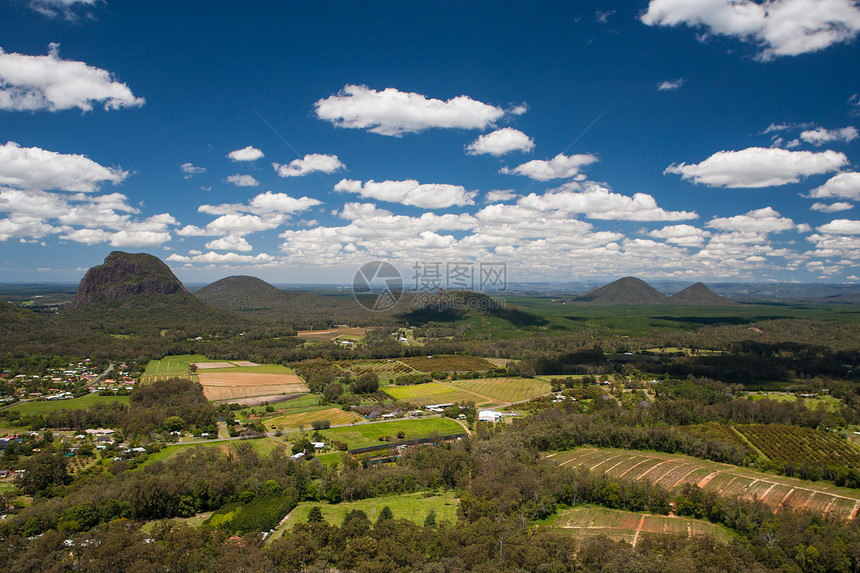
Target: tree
[
  {"x": 367, "y": 383},
  {"x": 385, "y": 514},
  {"x": 43, "y": 471},
  {"x": 315, "y": 515}
]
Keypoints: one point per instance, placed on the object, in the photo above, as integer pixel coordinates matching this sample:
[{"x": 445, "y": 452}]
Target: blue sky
[{"x": 671, "y": 139}]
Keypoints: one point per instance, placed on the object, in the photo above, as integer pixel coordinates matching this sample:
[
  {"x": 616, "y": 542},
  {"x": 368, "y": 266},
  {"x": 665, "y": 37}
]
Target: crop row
[{"x": 801, "y": 445}]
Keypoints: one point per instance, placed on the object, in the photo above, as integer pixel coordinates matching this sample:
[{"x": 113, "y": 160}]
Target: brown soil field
[
  {"x": 233, "y": 385},
  {"x": 675, "y": 471},
  {"x": 212, "y": 365},
  {"x": 331, "y": 333}
]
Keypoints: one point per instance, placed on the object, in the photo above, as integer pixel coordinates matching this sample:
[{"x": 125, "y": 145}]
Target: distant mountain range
[{"x": 630, "y": 290}]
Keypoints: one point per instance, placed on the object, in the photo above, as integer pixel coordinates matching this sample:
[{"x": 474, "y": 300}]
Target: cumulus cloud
[
  {"x": 843, "y": 185},
  {"x": 820, "y": 136},
  {"x": 229, "y": 243},
  {"x": 35, "y": 83},
  {"x": 597, "y": 202},
  {"x": 758, "y": 167},
  {"x": 308, "y": 164},
  {"x": 670, "y": 84},
  {"x": 264, "y": 212},
  {"x": 243, "y": 180},
  {"x": 500, "y": 142},
  {"x": 410, "y": 192},
  {"x": 245, "y": 154},
  {"x": 559, "y": 167},
  {"x": 841, "y": 227},
  {"x": 832, "y": 207},
  {"x": 222, "y": 258},
  {"x": 683, "y": 235},
  {"x": 766, "y": 220},
  {"x": 777, "y": 27},
  {"x": 191, "y": 170},
  {"x": 499, "y": 195},
  {"x": 36, "y": 168},
  {"x": 392, "y": 112}
]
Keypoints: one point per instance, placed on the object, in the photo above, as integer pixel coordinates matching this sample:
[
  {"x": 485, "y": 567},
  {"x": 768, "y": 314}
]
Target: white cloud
[
  {"x": 670, "y": 84},
  {"x": 597, "y": 202},
  {"x": 243, "y": 181},
  {"x": 245, "y": 154},
  {"x": 269, "y": 202},
  {"x": 410, "y": 192},
  {"x": 65, "y": 8},
  {"x": 36, "y": 168},
  {"x": 392, "y": 112},
  {"x": 229, "y": 243},
  {"x": 499, "y": 195},
  {"x": 832, "y": 207},
  {"x": 820, "y": 136},
  {"x": 758, "y": 167},
  {"x": 843, "y": 185},
  {"x": 308, "y": 164},
  {"x": 683, "y": 235},
  {"x": 778, "y": 27},
  {"x": 603, "y": 16},
  {"x": 766, "y": 220},
  {"x": 500, "y": 142},
  {"x": 34, "y": 83},
  {"x": 841, "y": 227},
  {"x": 222, "y": 258},
  {"x": 559, "y": 167},
  {"x": 190, "y": 170}
]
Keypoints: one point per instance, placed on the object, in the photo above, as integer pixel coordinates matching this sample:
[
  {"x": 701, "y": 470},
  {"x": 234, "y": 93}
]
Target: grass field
[
  {"x": 259, "y": 369},
  {"x": 674, "y": 471},
  {"x": 263, "y": 447},
  {"x": 292, "y": 421},
  {"x": 363, "y": 435},
  {"x": 629, "y": 526},
  {"x": 44, "y": 406},
  {"x": 447, "y": 363},
  {"x": 171, "y": 367},
  {"x": 504, "y": 390},
  {"x": 432, "y": 393},
  {"x": 828, "y": 403},
  {"x": 411, "y": 506}
]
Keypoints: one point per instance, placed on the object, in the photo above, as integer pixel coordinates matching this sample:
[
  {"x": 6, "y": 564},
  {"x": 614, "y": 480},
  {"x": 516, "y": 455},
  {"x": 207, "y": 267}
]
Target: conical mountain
[
  {"x": 258, "y": 300},
  {"x": 628, "y": 290},
  {"x": 700, "y": 295},
  {"x": 136, "y": 293}
]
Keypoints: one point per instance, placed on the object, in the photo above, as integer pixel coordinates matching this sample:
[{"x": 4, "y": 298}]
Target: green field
[
  {"x": 431, "y": 393},
  {"x": 630, "y": 526},
  {"x": 411, "y": 506},
  {"x": 447, "y": 363},
  {"x": 172, "y": 366},
  {"x": 261, "y": 369},
  {"x": 504, "y": 390},
  {"x": 828, "y": 403},
  {"x": 364, "y": 435},
  {"x": 43, "y": 407},
  {"x": 292, "y": 421}
]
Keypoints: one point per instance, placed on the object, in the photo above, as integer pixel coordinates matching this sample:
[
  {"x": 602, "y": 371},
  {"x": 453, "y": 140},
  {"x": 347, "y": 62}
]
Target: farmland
[
  {"x": 332, "y": 333},
  {"x": 171, "y": 367},
  {"x": 412, "y": 506},
  {"x": 364, "y": 435},
  {"x": 294, "y": 420},
  {"x": 42, "y": 407},
  {"x": 236, "y": 385},
  {"x": 675, "y": 471},
  {"x": 448, "y": 363},
  {"x": 630, "y": 526},
  {"x": 801, "y": 445},
  {"x": 504, "y": 390},
  {"x": 431, "y": 393}
]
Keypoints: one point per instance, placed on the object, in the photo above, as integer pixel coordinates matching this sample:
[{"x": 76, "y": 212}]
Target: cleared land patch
[
  {"x": 42, "y": 407},
  {"x": 331, "y": 333},
  {"x": 364, "y": 435},
  {"x": 334, "y": 415},
  {"x": 629, "y": 526},
  {"x": 231, "y": 385},
  {"x": 432, "y": 393},
  {"x": 211, "y": 365},
  {"x": 674, "y": 471},
  {"x": 448, "y": 363}
]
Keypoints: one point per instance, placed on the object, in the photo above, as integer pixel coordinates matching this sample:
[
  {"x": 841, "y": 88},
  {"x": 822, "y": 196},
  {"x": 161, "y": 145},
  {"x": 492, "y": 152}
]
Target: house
[
  {"x": 489, "y": 416},
  {"x": 318, "y": 445},
  {"x": 298, "y": 456}
]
